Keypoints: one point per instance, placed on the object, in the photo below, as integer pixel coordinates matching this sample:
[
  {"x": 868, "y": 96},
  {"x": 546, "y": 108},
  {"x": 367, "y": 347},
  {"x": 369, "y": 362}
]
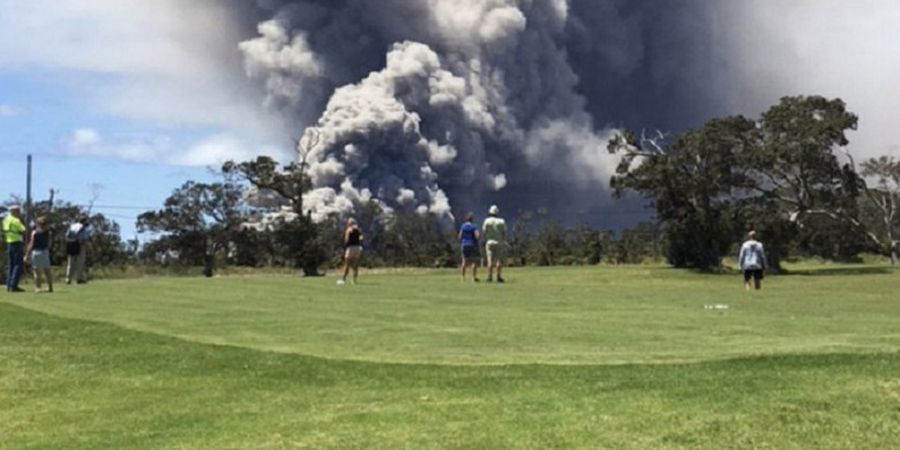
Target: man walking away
[
  {"x": 494, "y": 231},
  {"x": 14, "y": 236},
  {"x": 753, "y": 261},
  {"x": 76, "y": 248},
  {"x": 468, "y": 239}
]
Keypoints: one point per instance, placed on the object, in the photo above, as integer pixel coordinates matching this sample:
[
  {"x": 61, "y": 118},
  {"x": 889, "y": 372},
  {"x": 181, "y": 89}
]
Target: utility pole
[{"x": 28, "y": 212}]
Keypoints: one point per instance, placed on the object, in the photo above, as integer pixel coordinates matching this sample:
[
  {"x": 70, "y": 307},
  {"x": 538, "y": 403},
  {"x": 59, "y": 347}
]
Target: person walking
[
  {"x": 468, "y": 239},
  {"x": 353, "y": 250},
  {"x": 494, "y": 232},
  {"x": 752, "y": 259},
  {"x": 39, "y": 253},
  {"x": 77, "y": 237},
  {"x": 14, "y": 237}
]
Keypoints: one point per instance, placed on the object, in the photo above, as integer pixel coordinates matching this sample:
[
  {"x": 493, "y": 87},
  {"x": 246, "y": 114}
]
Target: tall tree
[
  {"x": 297, "y": 234},
  {"x": 199, "y": 220},
  {"x": 692, "y": 184},
  {"x": 798, "y": 162},
  {"x": 882, "y": 205}
]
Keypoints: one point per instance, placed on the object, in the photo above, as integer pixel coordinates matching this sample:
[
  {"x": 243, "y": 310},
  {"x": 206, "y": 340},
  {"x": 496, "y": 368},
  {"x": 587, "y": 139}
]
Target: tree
[
  {"x": 796, "y": 161},
  {"x": 297, "y": 234},
  {"x": 199, "y": 221},
  {"x": 882, "y": 206},
  {"x": 692, "y": 184}
]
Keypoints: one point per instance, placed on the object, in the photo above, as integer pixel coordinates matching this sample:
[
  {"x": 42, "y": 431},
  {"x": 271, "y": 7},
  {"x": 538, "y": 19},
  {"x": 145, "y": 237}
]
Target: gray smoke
[
  {"x": 448, "y": 105},
  {"x": 433, "y": 106}
]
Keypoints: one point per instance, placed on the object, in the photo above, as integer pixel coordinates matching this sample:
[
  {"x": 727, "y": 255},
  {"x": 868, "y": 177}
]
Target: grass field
[{"x": 624, "y": 357}]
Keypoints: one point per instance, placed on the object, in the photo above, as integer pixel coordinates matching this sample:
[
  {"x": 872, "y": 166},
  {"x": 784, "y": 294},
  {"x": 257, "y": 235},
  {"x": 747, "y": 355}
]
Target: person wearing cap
[
  {"x": 494, "y": 232},
  {"x": 468, "y": 239},
  {"x": 77, "y": 237},
  {"x": 752, "y": 259},
  {"x": 353, "y": 250},
  {"x": 14, "y": 237},
  {"x": 39, "y": 253}
]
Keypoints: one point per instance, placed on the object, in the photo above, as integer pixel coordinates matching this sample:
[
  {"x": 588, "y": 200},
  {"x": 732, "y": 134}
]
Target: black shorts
[
  {"x": 471, "y": 252},
  {"x": 756, "y": 274}
]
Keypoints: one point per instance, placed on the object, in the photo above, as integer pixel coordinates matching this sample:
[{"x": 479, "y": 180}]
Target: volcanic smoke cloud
[
  {"x": 446, "y": 106},
  {"x": 432, "y": 106}
]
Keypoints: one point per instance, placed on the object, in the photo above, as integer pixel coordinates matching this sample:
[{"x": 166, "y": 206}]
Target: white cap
[{"x": 494, "y": 210}]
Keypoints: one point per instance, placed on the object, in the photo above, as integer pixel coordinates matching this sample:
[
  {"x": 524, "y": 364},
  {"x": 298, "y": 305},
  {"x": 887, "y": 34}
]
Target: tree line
[{"x": 786, "y": 174}]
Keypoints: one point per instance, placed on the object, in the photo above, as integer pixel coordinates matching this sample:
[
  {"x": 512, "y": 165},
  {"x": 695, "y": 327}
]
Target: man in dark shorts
[
  {"x": 753, "y": 261},
  {"x": 468, "y": 239}
]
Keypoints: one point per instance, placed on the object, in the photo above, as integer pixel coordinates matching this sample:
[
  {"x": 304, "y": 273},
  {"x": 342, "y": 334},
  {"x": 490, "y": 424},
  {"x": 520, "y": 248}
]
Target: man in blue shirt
[{"x": 468, "y": 239}]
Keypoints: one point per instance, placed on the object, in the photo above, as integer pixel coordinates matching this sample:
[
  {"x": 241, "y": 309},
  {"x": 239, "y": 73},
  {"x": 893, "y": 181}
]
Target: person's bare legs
[
  {"x": 346, "y": 268},
  {"x": 463, "y": 266},
  {"x": 499, "y": 271},
  {"x": 355, "y": 269},
  {"x": 48, "y": 274},
  {"x": 475, "y": 271},
  {"x": 36, "y": 273},
  {"x": 757, "y": 283}
]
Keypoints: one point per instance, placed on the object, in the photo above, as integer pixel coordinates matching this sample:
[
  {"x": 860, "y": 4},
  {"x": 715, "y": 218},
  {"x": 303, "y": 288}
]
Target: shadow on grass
[{"x": 838, "y": 271}]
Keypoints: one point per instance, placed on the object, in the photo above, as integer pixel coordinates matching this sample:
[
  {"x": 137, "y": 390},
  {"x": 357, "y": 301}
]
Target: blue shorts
[{"x": 471, "y": 252}]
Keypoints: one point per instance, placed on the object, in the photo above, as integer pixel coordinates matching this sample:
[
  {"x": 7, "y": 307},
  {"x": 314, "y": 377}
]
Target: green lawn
[{"x": 587, "y": 357}]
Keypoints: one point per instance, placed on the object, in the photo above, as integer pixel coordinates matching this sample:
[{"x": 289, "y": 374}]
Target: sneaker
[
  {"x": 341, "y": 282},
  {"x": 500, "y": 280},
  {"x": 476, "y": 280}
]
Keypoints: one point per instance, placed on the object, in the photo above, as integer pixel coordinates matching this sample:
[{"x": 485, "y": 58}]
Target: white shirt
[
  {"x": 78, "y": 232},
  {"x": 752, "y": 256}
]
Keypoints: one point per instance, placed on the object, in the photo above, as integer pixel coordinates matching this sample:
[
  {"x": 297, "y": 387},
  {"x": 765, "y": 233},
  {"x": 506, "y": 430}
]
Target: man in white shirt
[
  {"x": 494, "y": 232},
  {"x": 77, "y": 237},
  {"x": 753, "y": 261}
]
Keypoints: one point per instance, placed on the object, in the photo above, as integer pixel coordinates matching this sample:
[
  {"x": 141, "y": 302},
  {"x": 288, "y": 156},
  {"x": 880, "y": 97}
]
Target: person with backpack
[
  {"x": 38, "y": 253},
  {"x": 77, "y": 237}
]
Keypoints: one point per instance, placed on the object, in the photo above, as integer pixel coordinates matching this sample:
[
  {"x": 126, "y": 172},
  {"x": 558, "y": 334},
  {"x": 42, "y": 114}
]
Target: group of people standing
[
  {"x": 751, "y": 259},
  {"x": 34, "y": 248},
  {"x": 493, "y": 232}
]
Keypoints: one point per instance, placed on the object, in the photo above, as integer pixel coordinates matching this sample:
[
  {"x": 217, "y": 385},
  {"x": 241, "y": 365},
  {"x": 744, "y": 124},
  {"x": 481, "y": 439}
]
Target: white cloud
[
  {"x": 170, "y": 63},
  {"x": 161, "y": 149},
  {"x": 10, "y": 111}
]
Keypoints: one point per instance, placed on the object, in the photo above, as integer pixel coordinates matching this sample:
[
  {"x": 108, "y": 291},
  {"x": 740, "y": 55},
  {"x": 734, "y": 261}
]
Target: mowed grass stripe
[
  {"x": 609, "y": 315},
  {"x": 84, "y": 385}
]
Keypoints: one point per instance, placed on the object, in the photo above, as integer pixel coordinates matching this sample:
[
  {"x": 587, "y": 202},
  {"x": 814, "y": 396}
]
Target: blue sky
[
  {"x": 134, "y": 96},
  {"x": 139, "y": 96},
  {"x": 42, "y": 116}
]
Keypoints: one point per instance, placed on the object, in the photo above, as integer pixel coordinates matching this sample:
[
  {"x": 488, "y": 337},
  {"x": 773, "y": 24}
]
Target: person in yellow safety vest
[{"x": 14, "y": 236}]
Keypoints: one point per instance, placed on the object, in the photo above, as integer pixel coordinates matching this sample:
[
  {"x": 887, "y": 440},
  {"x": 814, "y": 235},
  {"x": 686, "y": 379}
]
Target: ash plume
[
  {"x": 432, "y": 106},
  {"x": 446, "y": 106}
]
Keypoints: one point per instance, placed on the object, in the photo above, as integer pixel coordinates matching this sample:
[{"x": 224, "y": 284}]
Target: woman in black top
[
  {"x": 39, "y": 253},
  {"x": 353, "y": 238}
]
